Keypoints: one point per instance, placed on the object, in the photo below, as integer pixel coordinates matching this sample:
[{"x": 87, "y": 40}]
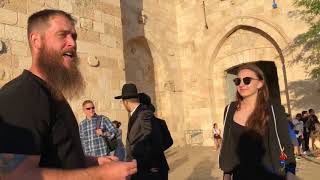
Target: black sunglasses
[
  {"x": 246, "y": 80},
  {"x": 89, "y": 108}
]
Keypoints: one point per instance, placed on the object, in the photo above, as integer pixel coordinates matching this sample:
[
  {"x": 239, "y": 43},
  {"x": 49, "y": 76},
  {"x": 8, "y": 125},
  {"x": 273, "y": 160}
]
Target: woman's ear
[{"x": 260, "y": 84}]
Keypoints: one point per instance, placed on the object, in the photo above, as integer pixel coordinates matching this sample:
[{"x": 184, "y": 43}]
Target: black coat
[
  {"x": 228, "y": 159},
  {"x": 143, "y": 141}
]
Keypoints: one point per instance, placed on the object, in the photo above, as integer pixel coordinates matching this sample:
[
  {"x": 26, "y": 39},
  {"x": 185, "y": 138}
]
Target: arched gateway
[{"x": 246, "y": 39}]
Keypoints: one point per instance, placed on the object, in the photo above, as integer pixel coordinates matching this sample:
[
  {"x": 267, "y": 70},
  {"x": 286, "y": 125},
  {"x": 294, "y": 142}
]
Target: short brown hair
[
  {"x": 86, "y": 102},
  {"x": 41, "y": 18}
]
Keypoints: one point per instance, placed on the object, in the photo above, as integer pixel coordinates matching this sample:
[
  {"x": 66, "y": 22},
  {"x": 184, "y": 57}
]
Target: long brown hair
[{"x": 258, "y": 120}]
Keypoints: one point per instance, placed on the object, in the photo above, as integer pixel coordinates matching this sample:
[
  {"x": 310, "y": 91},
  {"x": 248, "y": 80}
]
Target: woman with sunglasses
[{"x": 256, "y": 142}]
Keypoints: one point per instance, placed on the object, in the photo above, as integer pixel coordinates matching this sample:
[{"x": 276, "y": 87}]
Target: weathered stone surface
[
  {"x": 1, "y": 31},
  {"x": 8, "y": 16},
  {"x": 98, "y": 27},
  {"x": 86, "y": 23},
  {"x": 15, "y": 33},
  {"x": 107, "y": 40},
  {"x": 22, "y": 20},
  {"x": 24, "y": 62},
  {"x": 52, "y": 3},
  {"x": 66, "y": 5},
  {"x": 108, "y": 19},
  {"x": 16, "y": 5},
  {"x": 88, "y": 35},
  {"x": 19, "y": 48}
]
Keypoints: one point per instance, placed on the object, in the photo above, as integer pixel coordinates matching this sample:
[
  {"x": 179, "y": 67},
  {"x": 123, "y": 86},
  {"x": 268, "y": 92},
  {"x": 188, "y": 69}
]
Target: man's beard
[{"x": 63, "y": 81}]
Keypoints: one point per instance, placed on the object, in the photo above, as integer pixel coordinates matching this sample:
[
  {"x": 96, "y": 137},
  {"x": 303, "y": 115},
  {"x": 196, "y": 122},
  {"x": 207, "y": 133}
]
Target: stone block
[
  {"x": 86, "y": 23},
  {"x": 108, "y": 9},
  {"x": 16, "y": 5},
  {"x": 97, "y": 15},
  {"x": 8, "y": 16},
  {"x": 111, "y": 2},
  {"x": 38, "y": 1},
  {"x": 52, "y": 3},
  {"x": 24, "y": 62},
  {"x": 92, "y": 48},
  {"x": 107, "y": 40},
  {"x": 1, "y": 31},
  {"x": 34, "y": 7},
  {"x": 87, "y": 35},
  {"x": 5, "y": 60},
  {"x": 19, "y": 48},
  {"x": 66, "y": 5},
  {"x": 98, "y": 27},
  {"x": 115, "y": 53},
  {"x": 108, "y": 19},
  {"x": 22, "y": 20},
  {"x": 117, "y": 22},
  {"x": 15, "y": 33}
]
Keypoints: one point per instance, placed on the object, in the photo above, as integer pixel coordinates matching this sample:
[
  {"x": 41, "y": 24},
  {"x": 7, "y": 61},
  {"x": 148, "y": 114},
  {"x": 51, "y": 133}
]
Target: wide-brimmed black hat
[{"x": 128, "y": 91}]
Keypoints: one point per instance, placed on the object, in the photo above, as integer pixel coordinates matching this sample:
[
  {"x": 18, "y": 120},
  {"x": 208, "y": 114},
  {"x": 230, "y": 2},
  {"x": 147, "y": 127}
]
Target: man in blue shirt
[{"x": 94, "y": 130}]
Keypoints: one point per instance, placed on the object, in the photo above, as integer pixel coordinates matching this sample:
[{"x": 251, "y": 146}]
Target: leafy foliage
[{"x": 308, "y": 44}]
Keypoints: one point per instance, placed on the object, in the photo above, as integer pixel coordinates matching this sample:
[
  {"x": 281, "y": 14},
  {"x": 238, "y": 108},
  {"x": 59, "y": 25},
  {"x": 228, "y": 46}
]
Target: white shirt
[{"x": 134, "y": 110}]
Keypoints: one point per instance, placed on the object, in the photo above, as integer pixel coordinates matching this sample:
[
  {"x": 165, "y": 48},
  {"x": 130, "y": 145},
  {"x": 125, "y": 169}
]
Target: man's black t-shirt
[{"x": 33, "y": 123}]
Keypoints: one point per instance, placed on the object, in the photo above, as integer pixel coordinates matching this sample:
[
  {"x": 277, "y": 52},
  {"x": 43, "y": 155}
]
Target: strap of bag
[
  {"x": 225, "y": 117},
  {"x": 98, "y": 125},
  {"x": 224, "y": 129},
  {"x": 276, "y": 129}
]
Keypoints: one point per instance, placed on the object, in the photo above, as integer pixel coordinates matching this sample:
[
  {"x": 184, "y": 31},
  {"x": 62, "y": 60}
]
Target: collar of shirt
[
  {"x": 134, "y": 110},
  {"x": 94, "y": 116}
]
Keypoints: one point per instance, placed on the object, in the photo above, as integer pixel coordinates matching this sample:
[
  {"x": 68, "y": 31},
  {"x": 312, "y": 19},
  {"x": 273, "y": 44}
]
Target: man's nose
[{"x": 71, "y": 42}]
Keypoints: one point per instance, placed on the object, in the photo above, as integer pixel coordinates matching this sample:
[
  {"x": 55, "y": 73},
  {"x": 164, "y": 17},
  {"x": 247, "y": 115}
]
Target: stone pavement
[{"x": 200, "y": 163}]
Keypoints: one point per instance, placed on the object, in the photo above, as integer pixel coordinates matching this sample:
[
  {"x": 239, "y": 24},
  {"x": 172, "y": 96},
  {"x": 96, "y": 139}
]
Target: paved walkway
[{"x": 200, "y": 163}]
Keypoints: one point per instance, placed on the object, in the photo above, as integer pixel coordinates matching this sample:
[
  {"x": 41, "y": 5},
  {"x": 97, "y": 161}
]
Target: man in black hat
[{"x": 141, "y": 144}]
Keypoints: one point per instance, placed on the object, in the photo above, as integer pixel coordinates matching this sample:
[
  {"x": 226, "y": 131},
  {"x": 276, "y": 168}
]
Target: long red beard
[{"x": 64, "y": 81}]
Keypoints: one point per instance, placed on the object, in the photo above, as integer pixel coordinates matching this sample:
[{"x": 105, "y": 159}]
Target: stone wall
[
  {"x": 152, "y": 58},
  {"x": 99, "y": 31}
]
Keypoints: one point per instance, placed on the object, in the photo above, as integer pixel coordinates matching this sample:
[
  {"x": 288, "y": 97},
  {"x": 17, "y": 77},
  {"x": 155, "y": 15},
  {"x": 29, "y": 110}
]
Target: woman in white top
[{"x": 216, "y": 136}]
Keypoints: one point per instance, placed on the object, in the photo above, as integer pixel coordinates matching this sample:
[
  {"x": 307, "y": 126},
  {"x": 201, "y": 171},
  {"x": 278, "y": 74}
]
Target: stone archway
[
  {"x": 139, "y": 67},
  {"x": 249, "y": 40}
]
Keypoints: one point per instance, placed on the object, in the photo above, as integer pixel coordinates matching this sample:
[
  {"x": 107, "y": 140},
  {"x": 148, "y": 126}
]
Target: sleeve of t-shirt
[{"x": 22, "y": 120}]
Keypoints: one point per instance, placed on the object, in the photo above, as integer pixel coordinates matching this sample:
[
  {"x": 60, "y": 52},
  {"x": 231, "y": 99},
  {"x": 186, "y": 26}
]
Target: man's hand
[
  {"x": 99, "y": 132},
  {"x": 106, "y": 159},
  {"x": 117, "y": 170}
]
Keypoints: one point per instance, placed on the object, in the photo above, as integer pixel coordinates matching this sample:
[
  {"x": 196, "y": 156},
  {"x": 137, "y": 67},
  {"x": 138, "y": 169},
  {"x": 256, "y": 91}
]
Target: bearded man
[{"x": 39, "y": 137}]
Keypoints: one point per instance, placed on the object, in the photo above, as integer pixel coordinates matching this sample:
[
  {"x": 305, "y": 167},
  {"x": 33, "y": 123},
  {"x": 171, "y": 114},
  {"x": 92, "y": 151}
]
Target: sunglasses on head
[
  {"x": 89, "y": 108},
  {"x": 246, "y": 80}
]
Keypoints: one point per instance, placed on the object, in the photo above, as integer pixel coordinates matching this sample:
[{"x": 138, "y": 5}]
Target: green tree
[{"x": 308, "y": 44}]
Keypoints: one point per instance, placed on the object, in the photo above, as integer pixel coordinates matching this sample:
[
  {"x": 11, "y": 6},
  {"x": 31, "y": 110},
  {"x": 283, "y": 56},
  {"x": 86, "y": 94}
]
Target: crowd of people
[
  {"x": 303, "y": 127},
  {"x": 39, "y": 135}
]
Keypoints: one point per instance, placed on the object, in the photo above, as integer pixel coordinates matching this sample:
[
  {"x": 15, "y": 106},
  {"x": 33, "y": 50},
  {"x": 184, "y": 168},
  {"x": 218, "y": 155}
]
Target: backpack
[
  {"x": 111, "y": 143},
  {"x": 310, "y": 124},
  {"x": 165, "y": 136}
]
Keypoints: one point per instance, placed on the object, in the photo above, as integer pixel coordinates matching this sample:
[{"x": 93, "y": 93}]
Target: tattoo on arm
[{"x": 9, "y": 162}]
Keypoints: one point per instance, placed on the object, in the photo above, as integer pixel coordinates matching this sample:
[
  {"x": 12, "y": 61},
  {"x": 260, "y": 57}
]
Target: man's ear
[{"x": 35, "y": 40}]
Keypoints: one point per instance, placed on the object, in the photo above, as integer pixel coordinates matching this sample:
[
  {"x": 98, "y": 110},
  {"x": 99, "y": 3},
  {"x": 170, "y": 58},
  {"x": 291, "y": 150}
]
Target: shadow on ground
[
  {"x": 202, "y": 171},
  {"x": 178, "y": 162},
  {"x": 305, "y": 94}
]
